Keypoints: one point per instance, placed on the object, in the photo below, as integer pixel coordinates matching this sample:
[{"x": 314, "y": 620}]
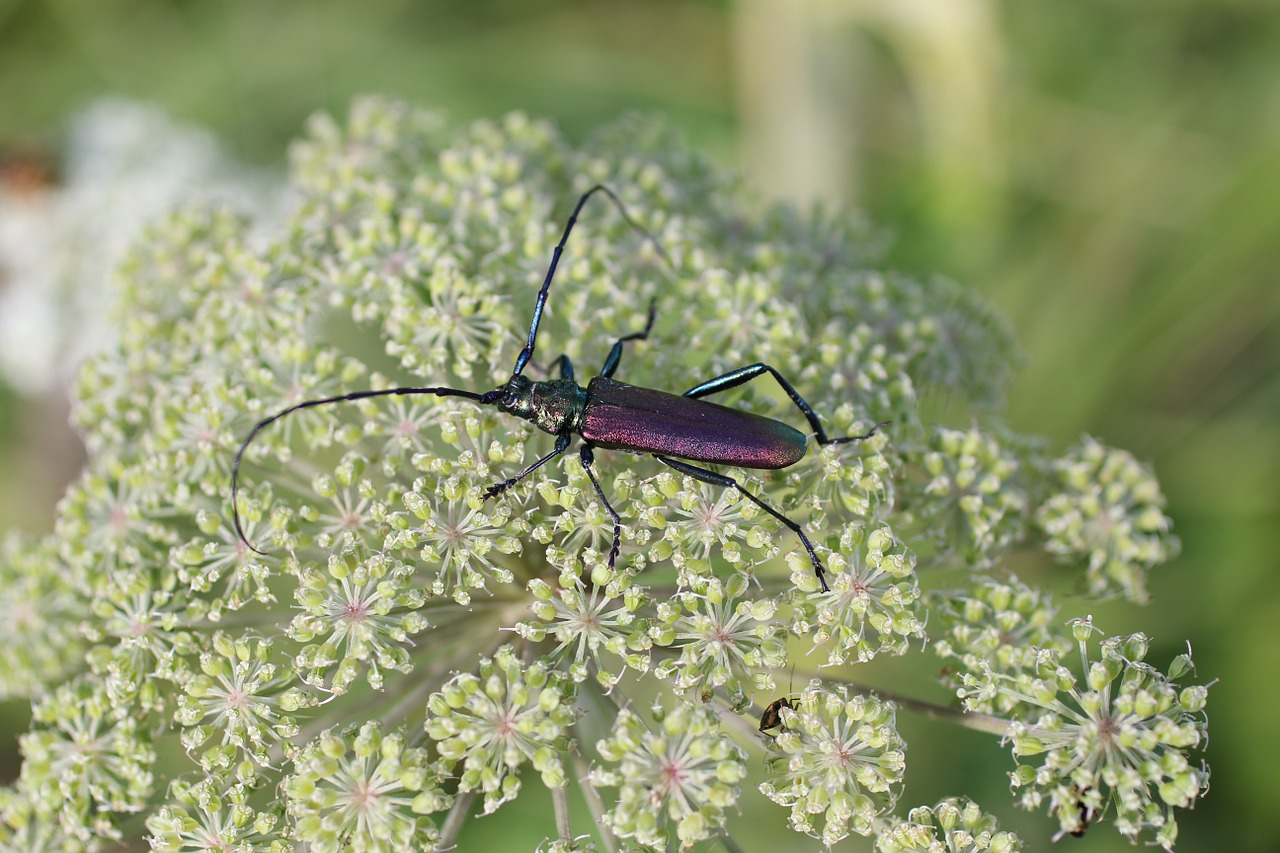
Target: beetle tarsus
[
  {"x": 820, "y": 572},
  {"x": 498, "y": 488},
  {"x": 862, "y": 437}
]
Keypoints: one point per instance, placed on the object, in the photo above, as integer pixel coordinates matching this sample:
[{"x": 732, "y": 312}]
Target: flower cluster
[
  {"x": 684, "y": 772},
  {"x": 726, "y": 640},
  {"x": 954, "y": 825},
  {"x": 969, "y": 498},
  {"x": 495, "y": 720},
  {"x": 398, "y": 645},
  {"x": 38, "y": 615},
  {"x": 1109, "y": 511},
  {"x": 874, "y": 605},
  {"x": 1112, "y": 736},
  {"x": 364, "y": 789},
  {"x": 842, "y": 759},
  {"x": 995, "y": 626}
]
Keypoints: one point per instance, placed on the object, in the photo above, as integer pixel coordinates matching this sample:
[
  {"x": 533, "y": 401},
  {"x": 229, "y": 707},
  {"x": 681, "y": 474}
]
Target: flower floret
[
  {"x": 955, "y": 825},
  {"x": 682, "y": 771},
  {"x": 362, "y": 789},
  {"x": 497, "y": 720},
  {"x": 842, "y": 759}
]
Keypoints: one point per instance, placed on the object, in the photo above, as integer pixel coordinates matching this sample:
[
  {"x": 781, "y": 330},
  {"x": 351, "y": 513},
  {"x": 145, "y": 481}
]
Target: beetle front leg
[
  {"x": 721, "y": 480},
  {"x": 588, "y": 459},
  {"x": 742, "y": 375},
  {"x": 562, "y": 444}
]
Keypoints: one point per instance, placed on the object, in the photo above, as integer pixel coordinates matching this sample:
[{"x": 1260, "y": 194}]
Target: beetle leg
[
  {"x": 734, "y": 378},
  {"x": 562, "y": 444},
  {"x": 615, "y": 354},
  {"x": 525, "y": 354},
  {"x": 565, "y": 366},
  {"x": 721, "y": 480},
  {"x": 588, "y": 458}
]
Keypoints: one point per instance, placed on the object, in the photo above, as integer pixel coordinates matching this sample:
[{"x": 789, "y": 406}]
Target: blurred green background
[{"x": 1107, "y": 173}]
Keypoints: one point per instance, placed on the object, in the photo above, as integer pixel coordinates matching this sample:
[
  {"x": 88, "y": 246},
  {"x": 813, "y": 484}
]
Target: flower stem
[
  {"x": 560, "y": 800},
  {"x": 594, "y": 803},
  {"x": 453, "y": 823},
  {"x": 977, "y": 722}
]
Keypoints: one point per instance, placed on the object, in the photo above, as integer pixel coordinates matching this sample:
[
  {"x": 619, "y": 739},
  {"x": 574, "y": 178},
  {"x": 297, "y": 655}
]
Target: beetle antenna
[
  {"x": 486, "y": 399},
  {"x": 527, "y": 352}
]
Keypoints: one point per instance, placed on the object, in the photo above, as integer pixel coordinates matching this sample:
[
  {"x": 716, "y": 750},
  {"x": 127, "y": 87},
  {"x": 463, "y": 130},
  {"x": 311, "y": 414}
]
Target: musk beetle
[{"x": 677, "y": 429}]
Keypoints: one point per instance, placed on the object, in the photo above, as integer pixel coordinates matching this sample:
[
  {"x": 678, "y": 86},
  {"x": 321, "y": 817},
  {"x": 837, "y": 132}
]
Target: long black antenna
[
  {"x": 527, "y": 352},
  {"x": 485, "y": 399}
]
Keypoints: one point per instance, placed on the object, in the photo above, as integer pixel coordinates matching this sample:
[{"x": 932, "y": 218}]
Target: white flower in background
[{"x": 124, "y": 164}]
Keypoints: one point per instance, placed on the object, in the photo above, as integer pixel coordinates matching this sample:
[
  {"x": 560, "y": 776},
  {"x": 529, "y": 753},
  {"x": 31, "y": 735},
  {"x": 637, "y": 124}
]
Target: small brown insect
[
  {"x": 1086, "y": 814},
  {"x": 772, "y": 716}
]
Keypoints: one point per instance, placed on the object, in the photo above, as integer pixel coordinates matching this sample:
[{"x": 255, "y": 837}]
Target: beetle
[
  {"x": 1084, "y": 814},
  {"x": 772, "y": 716},
  {"x": 676, "y": 429}
]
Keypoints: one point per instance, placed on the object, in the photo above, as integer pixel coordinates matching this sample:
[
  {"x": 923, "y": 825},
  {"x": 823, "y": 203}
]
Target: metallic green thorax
[{"x": 554, "y": 406}]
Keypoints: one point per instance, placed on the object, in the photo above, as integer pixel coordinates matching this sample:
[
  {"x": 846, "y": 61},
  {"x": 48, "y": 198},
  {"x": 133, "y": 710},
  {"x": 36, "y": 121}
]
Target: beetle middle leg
[
  {"x": 615, "y": 354},
  {"x": 742, "y": 375},
  {"x": 564, "y": 365},
  {"x": 722, "y": 480},
  {"x": 588, "y": 459}
]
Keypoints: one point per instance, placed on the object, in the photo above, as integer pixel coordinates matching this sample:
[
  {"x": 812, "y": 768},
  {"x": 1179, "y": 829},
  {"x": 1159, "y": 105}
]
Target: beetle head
[{"x": 516, "y": 397}]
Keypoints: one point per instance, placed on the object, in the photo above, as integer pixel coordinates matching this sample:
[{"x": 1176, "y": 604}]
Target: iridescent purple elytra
[{"x": 618, "y": 416}]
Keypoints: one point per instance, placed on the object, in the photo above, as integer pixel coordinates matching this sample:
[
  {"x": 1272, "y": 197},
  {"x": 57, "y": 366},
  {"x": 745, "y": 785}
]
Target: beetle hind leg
[
  {"x": 728, "y": 482},
  {"x": 742, "y": 375}
]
